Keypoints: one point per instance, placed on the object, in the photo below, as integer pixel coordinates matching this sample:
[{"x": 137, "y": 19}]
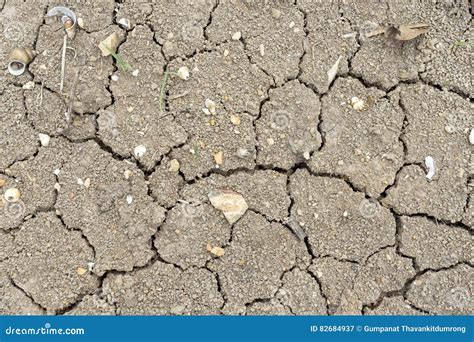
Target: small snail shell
[
  {"x": 23, "y": 55},
  {"x": 19, "y": 59},
  {"x": 12, "y": 195},
  {"x": 69, "y": 25}
]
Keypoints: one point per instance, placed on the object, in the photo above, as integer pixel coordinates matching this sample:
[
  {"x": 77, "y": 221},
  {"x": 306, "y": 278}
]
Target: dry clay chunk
[
  {"x": 94, "y": 70},
  {"x": 435, "y": 245},
  {"x": 14, "y": 301},
  {"x": 132, "y": 126},
  {"x": 301, "y": 293},
  {"x": 189, "y": 232},
  {"x": 330, "y": 213},
  {"x": 287, "y": 131},
  {"x": 264, "y": 191},
  {"x": 163, "y": 289},
  {"x": 438, "y": 126},
  {"x": 270, "y": 30},
  {"x": 179, "y": 25},
  {"x": 108, "y": 200},
  {"x": 216, "y": 143},
  {"x": 444, "y": 292},
  {"x": 54, "y": 273},
  {"x": 165, "y": 183},
  {"x": 225, "y": 77},
  {"x": 254, "y": 261},
  {"x": 360, "y": 144},
  {"x": 47, "y": 115},
  {"x": 329, "y": 45},
  {"x": 342, "y": 281},
  {"x": 17, "y": 138},
  {"x": 35, "y": 180},
  {"x": 92, "y": 305},
  {"x": 396, "y": 306}
]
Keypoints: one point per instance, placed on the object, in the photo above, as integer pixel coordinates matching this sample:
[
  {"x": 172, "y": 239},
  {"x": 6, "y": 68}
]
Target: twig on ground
[
  {"x": 63, "y": 63},
  {"x": 72, "y": 95}
]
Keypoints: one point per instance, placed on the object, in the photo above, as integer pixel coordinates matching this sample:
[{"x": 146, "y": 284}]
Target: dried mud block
[
  {"x": 435, "y": 245},
  {"x": 287, "y": 131},
  {"x": 108, "y": 201},
  {"x": 335, "y": 220},
  {"x": 254, "y": 261},
  {"x": 189, "y": 234},
  {"x": 54, "y": 273},
  {"x": 163, "y": 289},
  {"x": 360, "y": 143},
  {"x": 438, "y": 126},
  {"x": 444, "y": 292}
]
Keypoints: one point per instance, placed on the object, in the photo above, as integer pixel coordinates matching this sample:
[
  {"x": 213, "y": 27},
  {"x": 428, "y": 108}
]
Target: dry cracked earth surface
[{"x": 286, "y": 175}]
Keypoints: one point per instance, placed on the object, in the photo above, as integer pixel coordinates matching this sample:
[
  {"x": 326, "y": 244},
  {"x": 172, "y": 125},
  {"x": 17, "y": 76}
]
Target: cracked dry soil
[{"x": 114, "y": 215}]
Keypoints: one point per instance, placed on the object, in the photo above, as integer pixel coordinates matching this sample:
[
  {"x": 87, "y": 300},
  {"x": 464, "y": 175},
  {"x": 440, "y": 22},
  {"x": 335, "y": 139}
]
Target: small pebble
[
  {"x": 449, "y": 129},
  {"x": 292, "y": 24},
  {"x": 231, "y": 203},
  {"x": 219, "y": 158},
  {"x": 129, "y": 199},
  {"x": 139, "y": 151},
  {"x": 57, "y": 186},
  {"x": 57, "y": 172},
  {"x": 87, "y": 182},
  {"x": 183, "y": 73},
  {"x": 2, "y": 182},
  {"x": 471, "y": 137},
  {"x": 237, "y": 35},
  {"x": 12, "y": 195},
  {"x": 276, "y": 13},
  {"x": 235, "y": 119},
  {"x": 29, "y": 85},
  {"x": 115, "y": 78},
  {"x": 243, "y": 153},
  {"x": 345, "y": 213},
  {"x": 44, "y": 139},
  {"x": 125, "y": 23},
  {"x": 81, "y": 270},
  {"x": 173, "y": 165},
  {"x": 218, "y": 251},
  {"x": 127, "y": 174},
  {"x": 210, "y": 105},
  {"x": 135, "y": 72},
  {"x": 226, "y": 53},
  {"x": 80, "y": 22},
  {"x": 306, "y": 155},
  {"x": 262, "y": 50},
  {"x": 270, "y": 141},
  {"x": 340, "y": 162}
]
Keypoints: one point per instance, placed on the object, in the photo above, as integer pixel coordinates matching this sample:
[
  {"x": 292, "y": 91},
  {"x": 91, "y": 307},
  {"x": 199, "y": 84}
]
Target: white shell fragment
[
  {"x": 430, "y": 165},
  {"x": 210, "y": 106},
  {"x": 16, "y": 68},
  {"x": 44, "y": 139},
  {"x": 12, "y": 195},
  {"x": 293, "y": 224},
  {"x": 135, "y": 72},
  {"x": 333, "y": 71},
  {"x": 183, "y": 73},
  {"x": 129, "y": 199},
  {"x": 357, "y": 103},
  {"x": 139, "y": 151},
  {"x": 471, "y": 137},
  {"x": 124, "y": 23},
  {"x": 237, "y": 35},
  {"x": 231, "y": 203},
  {"x": 29, "y": 85}
]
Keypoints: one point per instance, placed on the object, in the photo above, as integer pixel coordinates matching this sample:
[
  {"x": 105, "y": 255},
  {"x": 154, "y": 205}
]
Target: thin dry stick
[
  {"x": 72, "y": 95},
  {"x": 63, "y": 63}
]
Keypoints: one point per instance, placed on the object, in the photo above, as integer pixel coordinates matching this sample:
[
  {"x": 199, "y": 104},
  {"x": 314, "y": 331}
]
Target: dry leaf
[{"x": 406, "y": 32}]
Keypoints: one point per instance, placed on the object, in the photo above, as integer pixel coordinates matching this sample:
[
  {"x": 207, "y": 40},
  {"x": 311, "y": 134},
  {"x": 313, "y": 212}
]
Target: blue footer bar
[{"x": 232, "y": 328}]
